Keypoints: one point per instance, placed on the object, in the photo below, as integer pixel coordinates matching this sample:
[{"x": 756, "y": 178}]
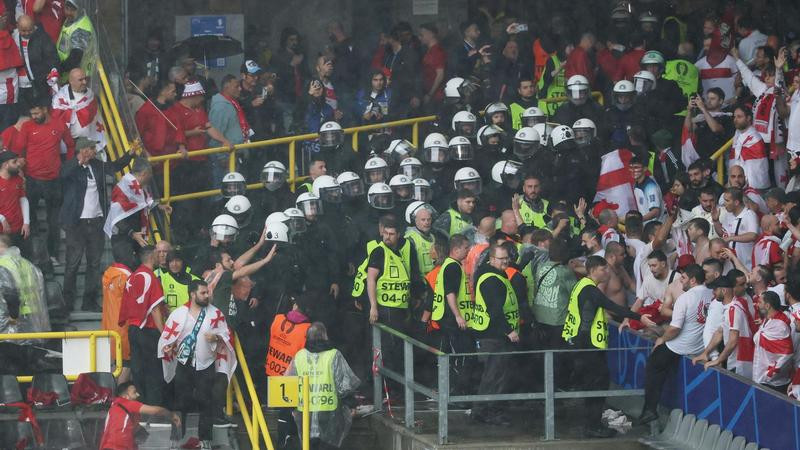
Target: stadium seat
[
  {"x": 738, "y": 443},
  {"x": 63, "y": 433},
  {"x": 681, "y": 438},
  {"x": 670, "y": 430},
  {"x": 16, "y": 435},
  {"x": 724, "y": 440},
  {"x": 9, "y": 389},
  {"x": 696, "y": 436},
  {"x": 52, "y": 382},
  {"x": 751, "y": 446},
  {"x": 710, "y": 437}
]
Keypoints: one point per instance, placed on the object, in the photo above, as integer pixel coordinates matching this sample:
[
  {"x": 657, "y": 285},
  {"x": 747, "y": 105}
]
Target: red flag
[{"x": 615, "y": 184}]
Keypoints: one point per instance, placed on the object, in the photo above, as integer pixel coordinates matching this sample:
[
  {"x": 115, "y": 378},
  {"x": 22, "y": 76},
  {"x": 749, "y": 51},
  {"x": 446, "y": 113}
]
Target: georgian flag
[
  {"x": 177, "y": 327},
  {"x": 688, "y": 148},
  {"x": 772, "y": 360},
  {"x": 615, "y": 184},
  {"x": 80, "y": 113},
  {"x": 127, "y": 198}
]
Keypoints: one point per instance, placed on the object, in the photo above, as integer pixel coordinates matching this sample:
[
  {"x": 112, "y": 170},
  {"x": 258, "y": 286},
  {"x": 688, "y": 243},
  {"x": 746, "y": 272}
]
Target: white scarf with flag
[
  {"x": 772, "y": 361},
  {"x": 79, "y": 112},
  {"x": 749, "y": 152},
  {"x": 128, "y": 198},
  {"x": 688, "y": 147},
  {"x": 180, "y": 324},
  {"x": 615, "y": 184}
]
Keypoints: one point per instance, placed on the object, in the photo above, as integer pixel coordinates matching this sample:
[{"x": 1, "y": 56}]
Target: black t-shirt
[{"x": 452, "y": 279}]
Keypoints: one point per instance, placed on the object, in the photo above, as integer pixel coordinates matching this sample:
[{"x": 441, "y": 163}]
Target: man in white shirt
[
  {"x": 752, "y": 38},
  {"x": 705, "y": 208},
  {"x": 683, "y": 336},
  {"x": 712, "y": 316},
  {"x": 738, "y": 225}
]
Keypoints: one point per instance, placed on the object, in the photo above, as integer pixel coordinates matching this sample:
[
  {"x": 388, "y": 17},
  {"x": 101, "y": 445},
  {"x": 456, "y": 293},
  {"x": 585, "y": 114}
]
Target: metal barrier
[
  {"x": 254, "y": 420},
  {"x": 441, "y": 394},
  {"x": 719, "y": 157},
  {"x": 290, "y": 140},
  {"x": 92, "y": 335}
]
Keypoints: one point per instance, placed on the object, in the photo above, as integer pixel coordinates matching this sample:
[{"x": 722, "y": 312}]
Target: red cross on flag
[{"x": 127, "y": 198}]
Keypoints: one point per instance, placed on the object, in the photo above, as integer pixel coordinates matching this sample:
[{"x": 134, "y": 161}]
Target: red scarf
[{"x": 240, "y": 114}]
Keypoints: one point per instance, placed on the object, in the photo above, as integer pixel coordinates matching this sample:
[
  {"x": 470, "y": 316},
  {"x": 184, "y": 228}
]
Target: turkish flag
[{"x": 615, "y": 184}]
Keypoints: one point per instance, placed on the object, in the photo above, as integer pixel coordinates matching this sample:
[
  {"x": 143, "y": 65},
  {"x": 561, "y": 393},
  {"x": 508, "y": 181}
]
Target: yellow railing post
[
  {"x": 166, "y": 193},
  {"x": 721, "y": 171},
  {"x": 258, "y": 414},
  {"x": 355, "y": 141},
  {"x": 719, "y": 157},
  {"x": 306, "y": 414},
  {"x": 107, "y": 88},
  {"x": 292, "y": 166},
  {"x": 232, "y": 161},
  {"x": 229, "y": 400},
  {"x": 93, "y": 353},
  {"x": 415, "y": 135}
]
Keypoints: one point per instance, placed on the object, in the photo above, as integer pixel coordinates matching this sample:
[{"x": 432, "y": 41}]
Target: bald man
[
  {"x": 767, "y": 251},
  {"x": 508, "y": 223},
  {"x": 619, "y": 282},
  {"x": 40, "y": 61},
  {"x": 752, "y": 198},
  {"x": 76, "y": 105},
  {"x": 486, "y": 228}
]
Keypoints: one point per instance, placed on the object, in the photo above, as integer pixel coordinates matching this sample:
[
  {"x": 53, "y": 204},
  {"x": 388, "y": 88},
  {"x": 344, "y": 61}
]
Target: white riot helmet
[
  {"x": 644, "y": 81},
  {"x": 277, "y": 216},
  {"x": 310, "y": 204},
  {"x": 544, "y": 130},
  {"x": 398, "y": 150},
  {"x": 490, "y": 137},
  {"x": 623, "y": 95},
  {"x": 273, "y": 175},
  {"x": 578, "y": 89},
  {"x": 457, "y": 89},
  {"x": 380, "y": 196},
  {"x": 460, "y": 149},
  {"x": 507, "y": 173},
  {"x": 562, "y": 137},
  {"x": 233, "y": 183},
  {"x": 464, "y": 123},
  {"x": 422, "y": 190},
  {"x": 469, "y": 179},
  {"x": 526, "y": 142},
  {"x": 331, "y": 135},
  {"x": 376, "y": 170},
  {"x": 277, "y": 232},
  {"x": 533, "y": 116},
  {"x": 296, "y": 220},
  {"x": 584, "y": 131},
  {"x": 414, "y": 207},
  {"x": 224, "y": 228},
  {"x": 352, "y": 185},
  {"x": 411, "y": 167},
  {"x": 402, "y": 186},
  {"x": 435, "y": 150},
  {"x": 498, "y": 108},
  {"x": 327, "y": 189},
  {"x": 239, "y": 208}
]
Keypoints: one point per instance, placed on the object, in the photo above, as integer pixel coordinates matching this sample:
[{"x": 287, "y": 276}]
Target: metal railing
[
  {"x": 254, "y": 421},
  {"x": 441, "y": 393},
  {"x": 92, "y": 335},
  {"x": 291, "y": 141},
  {"x": 719, "y": 157}
]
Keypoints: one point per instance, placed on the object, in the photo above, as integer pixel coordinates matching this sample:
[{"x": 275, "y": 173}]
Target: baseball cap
[
  {"x": 252, "y": 68},
  {"x": 7, "y": 155},
  {"x": 83, "y": 142}
]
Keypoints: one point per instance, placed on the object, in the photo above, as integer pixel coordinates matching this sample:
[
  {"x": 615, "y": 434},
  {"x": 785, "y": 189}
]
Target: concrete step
[{"x": 159, "y": 437}]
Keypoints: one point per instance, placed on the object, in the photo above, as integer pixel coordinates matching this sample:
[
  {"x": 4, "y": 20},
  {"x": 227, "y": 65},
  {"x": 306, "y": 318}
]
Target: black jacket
[
  {"x": 43, "y": 57},
  {"x": 73, "y": 183}
]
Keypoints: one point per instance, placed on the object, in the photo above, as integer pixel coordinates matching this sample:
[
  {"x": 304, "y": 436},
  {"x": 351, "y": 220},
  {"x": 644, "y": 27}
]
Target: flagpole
[{"x": 154, "y": 105}]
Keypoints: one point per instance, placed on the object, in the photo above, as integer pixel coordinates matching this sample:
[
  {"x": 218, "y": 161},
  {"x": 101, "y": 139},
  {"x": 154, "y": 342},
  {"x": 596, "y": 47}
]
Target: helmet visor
[
  {"x": 436, "y": 155},
  {"x": 511, "y": 176},
  {"x": 623, "y": 100},
  {"x": 296, "y": 225},
  {"x": 578, "y": 94},
  {"x": 423, "y": 193},
  {"x": 403, "y": 191},
  {"x": 533, "y": 120},
  {"x": 583, "y": 136},
  {"x": 461, "y": 152},
  {"x": 224, "y": 233},
  {"x": 465, "y": 128},
  {"x": 332, "y": 194},
  {"x": 411, "y": 170},
  {"x": 243, "y": 219},
  {"x": 273, "y": 178},
  {"x": 525, "y": 150},
  {"x": 331, "y": 138},
  {"x": 353, "y": 188},
  {"x": 643, "y": 85},
  {"x": 376, "y": 175},
  {"x": 231, "y": 188},
  {"x": 384, "y": 200},
  {"x": 310, "y": 208},
  {"x": 473, "y": 185}
]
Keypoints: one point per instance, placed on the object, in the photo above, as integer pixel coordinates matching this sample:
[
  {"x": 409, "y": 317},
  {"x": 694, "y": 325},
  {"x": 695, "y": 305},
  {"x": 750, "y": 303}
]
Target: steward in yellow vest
[
  {"x": 531, "y": 209},
  {"x": 526, "y": 91},
  {"x": 458, "y": 218},
  {"x": 77, "y": 42},
  {"x": 451, "y": 302},
  {"x": 331, "y": 381},
  {"x": 175, "y": 281},
  {"x": 585, "y": 328}
]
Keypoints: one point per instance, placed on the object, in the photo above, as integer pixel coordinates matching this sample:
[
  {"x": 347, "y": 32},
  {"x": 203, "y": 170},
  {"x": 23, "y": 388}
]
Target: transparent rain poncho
[{"x": 21, "y": 281}]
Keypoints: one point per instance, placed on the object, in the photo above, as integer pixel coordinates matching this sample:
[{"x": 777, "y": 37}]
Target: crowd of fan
[{"x": 523, "y": 160}]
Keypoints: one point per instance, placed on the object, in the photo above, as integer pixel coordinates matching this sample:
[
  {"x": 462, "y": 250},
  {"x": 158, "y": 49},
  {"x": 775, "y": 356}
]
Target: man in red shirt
[
  {"x": 42, "y": 140},
  {"x": 160, "y": 137},
  {"x": 579, "y": 61},
  {"x": 14, "y": 208},
  {"x": 10, "y": 137},
  {"x": 433, "y": 64},
  {"x": 142, "y": 310},
  {"x": 124, "y": 415},
  {"x": 49, "y": 13}
]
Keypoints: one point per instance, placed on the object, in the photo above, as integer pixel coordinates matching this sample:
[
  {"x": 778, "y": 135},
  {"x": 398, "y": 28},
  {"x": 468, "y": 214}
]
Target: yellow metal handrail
[
  {"x": 290, "y": 140},
  {"x": 254, "y": 420},
  {"x": 92, "y": 335},
  {"x": 718, "y": 155},
  {"x": 597, "y": 95}
]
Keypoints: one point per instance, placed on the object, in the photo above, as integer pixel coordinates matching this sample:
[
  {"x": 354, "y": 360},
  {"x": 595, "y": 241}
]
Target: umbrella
[{"x": 208, "y": 47}]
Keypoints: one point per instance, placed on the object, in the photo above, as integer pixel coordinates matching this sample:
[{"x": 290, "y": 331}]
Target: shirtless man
[
  {"x": 717, "y": 247},
  {"x": 698, "y": 230},
  {"x": 674, "y": 290},
  {"x": 619, "y": 283}
]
